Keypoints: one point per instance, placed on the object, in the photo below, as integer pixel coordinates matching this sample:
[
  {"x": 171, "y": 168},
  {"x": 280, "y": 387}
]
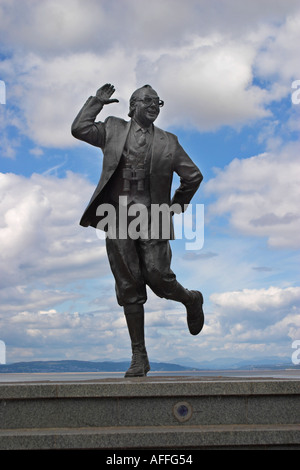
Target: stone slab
[
  {"x": 206, "y": 437},
  {"x": 151, "y": 412},
  {"x": 151, "y": 386}
]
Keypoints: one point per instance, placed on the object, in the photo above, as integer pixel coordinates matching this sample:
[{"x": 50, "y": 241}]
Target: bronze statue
[{"x": 138, "y": 164}]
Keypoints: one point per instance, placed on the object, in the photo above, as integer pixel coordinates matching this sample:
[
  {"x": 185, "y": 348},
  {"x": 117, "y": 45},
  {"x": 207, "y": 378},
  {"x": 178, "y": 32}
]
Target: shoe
[
  {"x": 139, "y": 366},
  {"x": 195, "y": 315}
]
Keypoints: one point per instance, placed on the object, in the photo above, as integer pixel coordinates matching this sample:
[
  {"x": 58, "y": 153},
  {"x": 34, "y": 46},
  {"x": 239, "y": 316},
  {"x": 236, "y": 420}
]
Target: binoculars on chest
[{"x": 133, "y": 175}]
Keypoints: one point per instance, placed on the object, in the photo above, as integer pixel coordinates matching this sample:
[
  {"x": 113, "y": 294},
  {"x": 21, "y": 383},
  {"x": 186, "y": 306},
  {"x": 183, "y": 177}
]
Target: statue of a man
[{"x": 138, "y": 164}]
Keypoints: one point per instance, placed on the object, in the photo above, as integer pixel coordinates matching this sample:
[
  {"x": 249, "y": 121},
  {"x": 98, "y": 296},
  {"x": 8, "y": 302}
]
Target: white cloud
[
  {"x": 251, "y": 323},
  {"x": 63, "y": 52},
  {"x": 264, "y": 319},
  {"x": 211, "y": 84},
  {"x": 40, "y": 235},
  {"x": 257, "y": 300},
  {"x": 261, "y": 195},
  {"x": 49, "y": 334},
  {"x": 53, "y": 27},
  {"x": 50, "y": 92},
  {"x": 278, "y": 56}
]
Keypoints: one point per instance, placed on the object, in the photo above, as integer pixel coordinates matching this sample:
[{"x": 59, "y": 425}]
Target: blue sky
[{"x": 225, "y": 70}]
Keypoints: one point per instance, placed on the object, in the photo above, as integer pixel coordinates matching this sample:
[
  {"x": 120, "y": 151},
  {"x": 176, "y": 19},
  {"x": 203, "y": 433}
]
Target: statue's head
[{"x": 144, "y": 105}]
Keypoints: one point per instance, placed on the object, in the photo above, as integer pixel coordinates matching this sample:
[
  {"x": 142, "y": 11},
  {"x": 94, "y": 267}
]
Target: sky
[{"x": 228, "y": 72}]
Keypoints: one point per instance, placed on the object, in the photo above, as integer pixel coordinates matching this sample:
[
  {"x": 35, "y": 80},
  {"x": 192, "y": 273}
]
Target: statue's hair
[{"x": 133, "y": 98}]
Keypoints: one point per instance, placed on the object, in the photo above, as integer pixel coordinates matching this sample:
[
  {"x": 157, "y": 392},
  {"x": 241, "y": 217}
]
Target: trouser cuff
[{"x": 130, "y": 309}]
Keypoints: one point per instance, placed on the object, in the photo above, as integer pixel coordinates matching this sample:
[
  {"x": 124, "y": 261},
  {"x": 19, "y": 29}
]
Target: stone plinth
[{"x": 151, "y": 413}]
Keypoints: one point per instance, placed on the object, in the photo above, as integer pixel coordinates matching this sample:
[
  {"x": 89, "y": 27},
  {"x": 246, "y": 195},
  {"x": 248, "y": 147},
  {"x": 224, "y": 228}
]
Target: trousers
[{"x": 137, "y": 263}]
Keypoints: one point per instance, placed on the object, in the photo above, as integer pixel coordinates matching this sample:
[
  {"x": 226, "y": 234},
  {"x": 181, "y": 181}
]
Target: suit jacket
[{"x": 167, "y": 156}]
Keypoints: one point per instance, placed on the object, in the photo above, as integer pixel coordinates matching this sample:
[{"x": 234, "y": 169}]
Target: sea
[{"x": 290, "y": 374}]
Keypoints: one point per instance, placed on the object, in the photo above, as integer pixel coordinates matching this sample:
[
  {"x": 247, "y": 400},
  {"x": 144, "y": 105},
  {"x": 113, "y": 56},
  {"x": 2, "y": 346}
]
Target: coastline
[{"x": 291, "y": 374}]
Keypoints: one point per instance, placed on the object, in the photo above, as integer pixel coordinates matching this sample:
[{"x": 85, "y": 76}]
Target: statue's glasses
[{"x": 149, "y": 101}]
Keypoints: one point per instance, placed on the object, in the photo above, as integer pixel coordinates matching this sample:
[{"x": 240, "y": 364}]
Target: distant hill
[
  {"x": 234, "y": 363},
  {"x": 82, "y": 366},
  {"x": 122, "y": 365}
]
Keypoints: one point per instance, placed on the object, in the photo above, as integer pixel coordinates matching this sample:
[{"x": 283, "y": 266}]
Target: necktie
[{"x": 141, "y": 138}]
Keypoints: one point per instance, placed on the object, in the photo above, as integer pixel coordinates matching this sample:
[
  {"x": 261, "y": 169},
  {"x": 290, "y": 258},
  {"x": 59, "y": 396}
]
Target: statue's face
[{"x": 146, "y": 107}]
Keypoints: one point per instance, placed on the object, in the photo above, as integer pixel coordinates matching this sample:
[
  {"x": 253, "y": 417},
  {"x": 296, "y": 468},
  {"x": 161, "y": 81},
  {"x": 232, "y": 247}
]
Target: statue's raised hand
[{"x": 105, "y": 92}]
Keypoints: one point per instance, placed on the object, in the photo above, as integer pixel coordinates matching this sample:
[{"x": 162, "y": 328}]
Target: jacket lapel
[
  {"x": 119, "y": 143},
  {"x": 159, "y": 145}
]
